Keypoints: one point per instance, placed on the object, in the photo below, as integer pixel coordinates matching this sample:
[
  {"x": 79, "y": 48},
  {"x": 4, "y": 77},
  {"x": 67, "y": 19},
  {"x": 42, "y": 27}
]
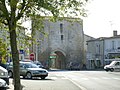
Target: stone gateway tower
[{"x": 62, "y": 44}]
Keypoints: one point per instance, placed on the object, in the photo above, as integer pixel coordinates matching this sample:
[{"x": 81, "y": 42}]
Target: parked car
[
  {"x": 27, "y": 60},
  {"x": 113, "y": 66},
  {"x": 39, "y": 64},
  {"x": 73, "y": 66},
  {"x": 4, "y": 74},
  {"x": 29, "y": 70},
  {"x": 3, "y": 84}
]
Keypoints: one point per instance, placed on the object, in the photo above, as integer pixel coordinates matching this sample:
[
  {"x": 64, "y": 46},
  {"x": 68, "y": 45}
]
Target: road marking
[
  {"x": 116, "y": 78},
  {"x": 64, "y": 78},
  {"x": 95, "y": 78},
  {"x": 59, "y": 75},
  {"x": 81, "y": 87},
  {"x": 105, "y": 78},
  {"x": 84, "y": 78},
  {"x": 52, "y": 78}
]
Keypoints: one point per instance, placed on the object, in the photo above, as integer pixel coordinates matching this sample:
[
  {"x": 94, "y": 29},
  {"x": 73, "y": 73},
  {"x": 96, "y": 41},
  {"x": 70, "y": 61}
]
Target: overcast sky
[{"x": 103, "y": 18}]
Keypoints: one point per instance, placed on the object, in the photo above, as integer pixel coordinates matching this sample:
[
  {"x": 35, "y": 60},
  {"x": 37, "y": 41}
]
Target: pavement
[{"x": 11, "y": 86}]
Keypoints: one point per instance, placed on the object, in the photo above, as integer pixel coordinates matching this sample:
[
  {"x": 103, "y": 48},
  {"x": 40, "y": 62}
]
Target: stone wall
[{"x": 64, "y": 37}]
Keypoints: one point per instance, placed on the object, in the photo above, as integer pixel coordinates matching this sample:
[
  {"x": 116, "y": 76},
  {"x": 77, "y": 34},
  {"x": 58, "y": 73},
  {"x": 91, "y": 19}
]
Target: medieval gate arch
[{"x": 59, "y": 59}]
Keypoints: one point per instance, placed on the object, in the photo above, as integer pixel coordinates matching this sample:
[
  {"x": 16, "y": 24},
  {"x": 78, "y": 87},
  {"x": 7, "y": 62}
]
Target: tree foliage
[
  {"x": 3, "y": 50},
  {"x": 11, "y": 11}
]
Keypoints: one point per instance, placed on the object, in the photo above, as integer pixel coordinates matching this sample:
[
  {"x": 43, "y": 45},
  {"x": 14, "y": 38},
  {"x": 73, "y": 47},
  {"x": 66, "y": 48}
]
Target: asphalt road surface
[
  {"x": 75, "y": 80},
  {"x": 96, "y": 80}
]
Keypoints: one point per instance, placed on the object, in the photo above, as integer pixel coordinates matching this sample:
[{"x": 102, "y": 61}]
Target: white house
[
  {"x": 102, "y": 51},
  {"x": 112, "y": 48},
  {"x": 94, "y": 56}
]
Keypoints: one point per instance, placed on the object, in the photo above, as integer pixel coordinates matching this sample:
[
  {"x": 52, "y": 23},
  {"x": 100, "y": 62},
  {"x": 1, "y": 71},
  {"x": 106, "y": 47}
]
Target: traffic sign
[
  {"x": 21, "y": 51},
  {"x": 53, "y": 56},
  {"x": 32, "y": 56}
]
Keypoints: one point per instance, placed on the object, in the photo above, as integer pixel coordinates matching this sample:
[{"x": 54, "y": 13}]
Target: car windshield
[
  {"x": 30, "y": 65},
  {"x": 112, "y": 62},
  {"x": 38, "y": 64}
]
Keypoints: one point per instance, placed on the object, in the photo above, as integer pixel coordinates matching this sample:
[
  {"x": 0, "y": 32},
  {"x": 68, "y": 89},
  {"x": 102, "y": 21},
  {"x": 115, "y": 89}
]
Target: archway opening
[{"x": 57, "y": 60}]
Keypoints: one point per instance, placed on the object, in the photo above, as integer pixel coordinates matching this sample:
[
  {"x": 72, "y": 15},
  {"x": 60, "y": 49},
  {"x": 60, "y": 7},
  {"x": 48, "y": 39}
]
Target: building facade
[
  {"x": 102, "y": 51},
  {"x": 63, "y": 44},
  {"x": 112, "y": 48},
  {"x": 95, "y": 53},
  {"x": 86, "y": 38}
]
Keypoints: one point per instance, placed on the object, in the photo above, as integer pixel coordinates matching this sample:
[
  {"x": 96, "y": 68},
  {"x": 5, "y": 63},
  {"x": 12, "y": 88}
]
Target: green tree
[
  {"x": 11, "y": 11},
  {"x": 3, "y": 50}
]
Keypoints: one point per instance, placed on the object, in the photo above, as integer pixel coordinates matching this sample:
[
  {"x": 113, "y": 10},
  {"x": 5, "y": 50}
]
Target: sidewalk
[{"x": 11, "y": 87}]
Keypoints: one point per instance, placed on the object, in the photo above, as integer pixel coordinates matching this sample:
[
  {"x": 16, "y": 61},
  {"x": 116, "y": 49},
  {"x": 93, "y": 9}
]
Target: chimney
[{"x": 115, "y": 33}]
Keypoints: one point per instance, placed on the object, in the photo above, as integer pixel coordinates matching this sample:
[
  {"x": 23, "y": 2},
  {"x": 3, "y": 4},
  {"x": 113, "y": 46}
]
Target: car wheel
[
  {"x": 10, "y": 74},
  {"x": 42, "y": 77},
  {"x": 106, "y": 70},
  {"x": 24, "y": 77},
  {"x": 111, "y": 69},
  {"x": 4, "y": 88},
  {"x": 29, "y": 75}
]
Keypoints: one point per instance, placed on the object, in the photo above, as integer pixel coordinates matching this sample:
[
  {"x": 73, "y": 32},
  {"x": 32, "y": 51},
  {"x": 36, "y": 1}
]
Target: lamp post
[
  {"x": 37, "y": 43},
  {"x": 36, "y": 52}
]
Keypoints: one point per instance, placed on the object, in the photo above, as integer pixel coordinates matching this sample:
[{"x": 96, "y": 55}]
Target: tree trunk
[{"x": 15, "y": 55}]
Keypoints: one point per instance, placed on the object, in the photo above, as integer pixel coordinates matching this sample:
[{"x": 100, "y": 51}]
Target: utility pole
[
  {"x": 36, "y": 54},
  {"x": 37, "y": 43}
]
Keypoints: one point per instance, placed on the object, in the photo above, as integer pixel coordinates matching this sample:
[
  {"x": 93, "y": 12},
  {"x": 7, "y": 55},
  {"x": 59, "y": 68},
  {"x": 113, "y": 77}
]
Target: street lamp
[{"x": 37, "y": 41}]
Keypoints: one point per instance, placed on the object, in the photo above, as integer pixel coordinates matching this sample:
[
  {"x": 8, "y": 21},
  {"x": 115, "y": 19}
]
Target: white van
[
  {"x": 4, "y": 74},
  {"x": 113, "y": 66}
]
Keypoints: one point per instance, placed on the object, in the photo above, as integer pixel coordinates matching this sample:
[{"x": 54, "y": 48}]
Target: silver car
[
  {"x": 39, "y": 64},
  {"x": 29, "y": 70},
  {"x": 4, "y": 74},
  {"x": 3, "y": 84}
]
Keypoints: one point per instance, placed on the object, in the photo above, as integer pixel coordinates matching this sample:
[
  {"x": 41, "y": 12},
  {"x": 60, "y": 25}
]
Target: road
[
  {"x": 75, "y": 80},
  {"x": 96, "y": 80}
]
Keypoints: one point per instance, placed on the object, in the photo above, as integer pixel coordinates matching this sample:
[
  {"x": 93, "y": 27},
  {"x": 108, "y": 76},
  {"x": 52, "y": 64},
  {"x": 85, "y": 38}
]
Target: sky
[{"x": 103, "y": 18}]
